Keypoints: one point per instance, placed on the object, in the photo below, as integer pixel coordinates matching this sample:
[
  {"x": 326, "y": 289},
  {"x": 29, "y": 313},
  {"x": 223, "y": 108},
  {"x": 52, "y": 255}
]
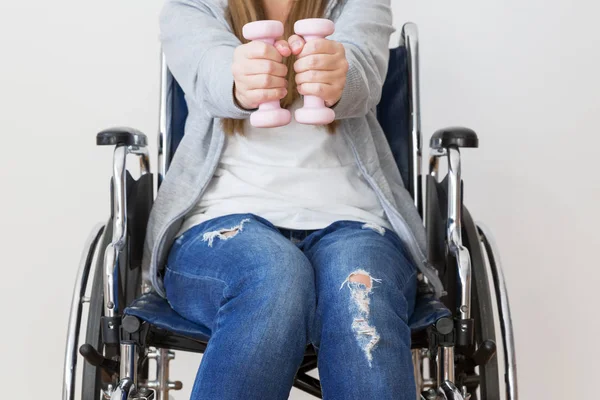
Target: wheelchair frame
[{"x": 126, "y": 332}]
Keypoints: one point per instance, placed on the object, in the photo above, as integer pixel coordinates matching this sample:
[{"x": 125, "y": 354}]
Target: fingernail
[{"x": 296, "y": 44}]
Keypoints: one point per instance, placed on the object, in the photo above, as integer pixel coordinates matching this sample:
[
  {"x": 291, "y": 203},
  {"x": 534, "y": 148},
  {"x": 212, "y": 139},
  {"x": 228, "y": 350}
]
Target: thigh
[
  {"x": 366, "y": 290},
  {"x": 348, "y": 251},
  {"x": 216, "y": 260}
]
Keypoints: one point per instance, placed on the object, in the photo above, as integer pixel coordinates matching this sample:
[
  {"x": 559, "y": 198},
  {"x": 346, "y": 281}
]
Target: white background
[{"x": 523, "y": 74}]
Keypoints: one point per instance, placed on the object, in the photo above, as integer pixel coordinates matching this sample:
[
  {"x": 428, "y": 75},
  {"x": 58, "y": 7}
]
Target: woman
[{"x": 274, "y": 239}]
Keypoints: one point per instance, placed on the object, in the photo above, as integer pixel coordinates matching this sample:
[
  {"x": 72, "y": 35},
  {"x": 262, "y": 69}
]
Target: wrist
[
  {"x": 238, "y": 102},
  {"x": 333, "y": 103}
]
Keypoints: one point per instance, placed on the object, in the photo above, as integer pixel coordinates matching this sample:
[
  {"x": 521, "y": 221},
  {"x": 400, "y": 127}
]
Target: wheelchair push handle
[
  {"x": 121, "y": 136},
  {"x": 314, "y": 111},
  {"x": 456, "y": 136},
  {"x": 269, "y": 114}
]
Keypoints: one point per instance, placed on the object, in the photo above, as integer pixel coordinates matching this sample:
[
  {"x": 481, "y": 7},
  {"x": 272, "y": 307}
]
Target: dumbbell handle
[
  {"x": 269, "y": 114},
  {"x": 269, "y": 105},
  {"x": 313, "y": 101}
]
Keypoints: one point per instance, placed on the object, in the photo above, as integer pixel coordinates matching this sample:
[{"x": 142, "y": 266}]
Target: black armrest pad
[
  {"x": 454, "y": 137},
  {"x": 121, "y": 136}
]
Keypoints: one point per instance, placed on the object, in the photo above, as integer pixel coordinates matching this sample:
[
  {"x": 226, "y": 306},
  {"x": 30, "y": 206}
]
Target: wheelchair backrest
[{"x": 397, "y": 112}]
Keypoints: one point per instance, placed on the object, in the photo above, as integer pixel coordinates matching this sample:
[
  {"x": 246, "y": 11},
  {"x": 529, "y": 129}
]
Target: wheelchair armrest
[
  {"x": 126, "y": 141},
  {"x": 447, "y": 143},
  {"x": 454, "y": 137},
  {"x": 121, "y": 136}
]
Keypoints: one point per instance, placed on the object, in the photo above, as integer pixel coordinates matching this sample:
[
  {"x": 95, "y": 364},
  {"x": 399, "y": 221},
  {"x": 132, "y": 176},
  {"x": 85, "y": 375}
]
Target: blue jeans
[{"x": 265, "y": 293}]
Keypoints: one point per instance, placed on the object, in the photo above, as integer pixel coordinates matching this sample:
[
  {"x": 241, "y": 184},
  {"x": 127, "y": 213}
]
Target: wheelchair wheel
[
  {"x": 94, "y": 378},
  {"x": 93, "y": 243},
  {"x": 505, "y": 321},
  {"x": 487, "y": 381},
  {"x": 486, "y": 321}
]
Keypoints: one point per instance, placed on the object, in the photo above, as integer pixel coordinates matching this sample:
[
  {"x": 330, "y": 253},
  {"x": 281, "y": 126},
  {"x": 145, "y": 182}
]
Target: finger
[
  {"x": 259, "y": 96},
  {"x": 316, "y": 76},
  {"x": 264, "y": 81},
  {"x": 296, "y": 44},
  {"x": 254, "y": 67},
  {"x": 324, "y": 62},
  {"x": 320, "y": 46},
  {"x": 260, "y": 50},
  {"x": 321, "y": 90},
  {"x": 283, "y": 47}
]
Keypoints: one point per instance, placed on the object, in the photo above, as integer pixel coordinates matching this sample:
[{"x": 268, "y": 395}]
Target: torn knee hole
[
  {"x": 366, "y": 334},
  {"x": 229, "y": 233},
  {"x": 361, "y": 278},
  {"x": 224, "y": 234}
]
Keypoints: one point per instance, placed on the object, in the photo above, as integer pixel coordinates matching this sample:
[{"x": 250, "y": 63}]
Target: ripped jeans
[{"x": 265, "y": 293}]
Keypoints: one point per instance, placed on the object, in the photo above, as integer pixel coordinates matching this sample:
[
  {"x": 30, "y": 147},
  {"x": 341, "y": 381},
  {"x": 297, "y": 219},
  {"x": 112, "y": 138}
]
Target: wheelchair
[{"x": 462, "y": 343}]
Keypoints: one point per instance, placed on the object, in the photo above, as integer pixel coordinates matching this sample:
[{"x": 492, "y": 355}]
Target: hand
[
  {"x": 321, "y": 68},
  {"x": 259, "y": 74}
]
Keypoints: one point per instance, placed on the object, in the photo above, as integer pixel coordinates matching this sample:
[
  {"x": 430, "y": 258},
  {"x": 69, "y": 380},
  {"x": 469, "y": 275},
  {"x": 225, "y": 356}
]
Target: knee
[
  {"x": 285, "y": 283},
  {"x": 285, "y": 301},
  {"x": 290, "y": 283}
]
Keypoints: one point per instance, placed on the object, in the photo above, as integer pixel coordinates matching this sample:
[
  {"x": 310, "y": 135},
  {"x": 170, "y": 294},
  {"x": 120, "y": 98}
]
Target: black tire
[
  {"x": 481, "y": 291},
  {"x": 486, "y": 322},
  {"x": 94, "y": 378}
]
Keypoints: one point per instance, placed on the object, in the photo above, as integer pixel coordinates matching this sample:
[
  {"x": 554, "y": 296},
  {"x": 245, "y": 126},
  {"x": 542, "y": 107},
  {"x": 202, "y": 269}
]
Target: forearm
[
  {"x": 199, "y": 50},
  {"x": 364, "y": 29}
]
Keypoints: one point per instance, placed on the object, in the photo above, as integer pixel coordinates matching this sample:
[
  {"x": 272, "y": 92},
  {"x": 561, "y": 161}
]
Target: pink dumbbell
[
  {"x": 269, "y": 114},
  {"x": 314, "y": 111}
]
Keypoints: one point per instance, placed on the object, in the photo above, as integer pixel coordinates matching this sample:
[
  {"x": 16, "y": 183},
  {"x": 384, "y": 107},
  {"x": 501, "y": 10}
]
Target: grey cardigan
[{"x": 198, "y": 46}]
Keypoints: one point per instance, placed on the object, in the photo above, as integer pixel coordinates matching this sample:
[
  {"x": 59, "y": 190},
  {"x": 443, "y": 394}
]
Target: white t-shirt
[{"x": 296, "y": 176}]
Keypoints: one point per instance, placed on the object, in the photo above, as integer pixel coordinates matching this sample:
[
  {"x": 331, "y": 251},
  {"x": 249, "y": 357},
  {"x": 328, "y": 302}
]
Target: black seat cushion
[{"x": 156, "y": 310}]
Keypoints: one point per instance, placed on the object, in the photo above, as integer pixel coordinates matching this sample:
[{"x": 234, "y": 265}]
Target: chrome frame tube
[
  {"x": 454, "y": 196},
  {"x": 119, "y": 238},
  {"x": 78, "y": 298},
  {"x": 410, "y": 35},
  {"x": 434, "y": 162},
  {"x": 123, "y": 391},
  {"x": 144, "y": 156},
  {"x": 506, "y": 325},
  {"x": 445, "y": 364},
  {"x": 164, "y": 142},
  {"x": 454, "y": 232},
  {"x": 426, "y": 362},
  {"x": 162, "y": 385},
  {"x": 434, "y": 166},
  {"x": 416, "y": 357},
  {"x": 119, "y": 195},
  {"x": 129, "y": 362},
  {"x": 448, "y": 391},
  {"x": 111, "y": 257}
]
